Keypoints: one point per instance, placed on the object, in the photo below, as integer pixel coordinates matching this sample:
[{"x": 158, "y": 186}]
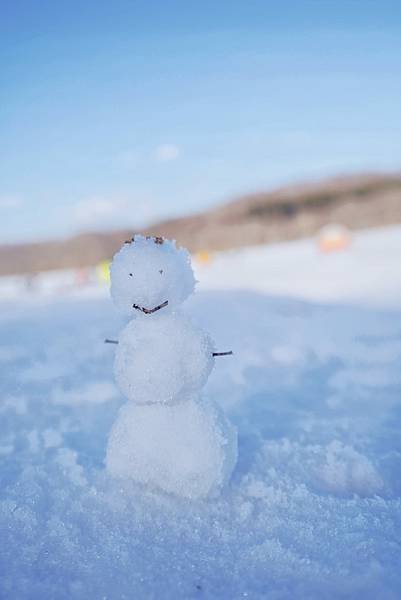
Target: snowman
[{"x": 166, "y": 436}]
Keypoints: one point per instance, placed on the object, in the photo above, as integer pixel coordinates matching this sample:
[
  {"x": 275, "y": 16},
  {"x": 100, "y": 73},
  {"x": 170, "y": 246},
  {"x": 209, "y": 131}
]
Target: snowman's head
[{"x": 148, "y": 273}]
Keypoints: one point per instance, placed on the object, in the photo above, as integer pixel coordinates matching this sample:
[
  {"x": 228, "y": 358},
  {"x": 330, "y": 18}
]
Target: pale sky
[{"x": 121, "y": 113}]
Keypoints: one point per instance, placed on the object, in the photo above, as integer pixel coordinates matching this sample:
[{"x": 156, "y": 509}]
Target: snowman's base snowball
[{"x": 187, "y": 449}]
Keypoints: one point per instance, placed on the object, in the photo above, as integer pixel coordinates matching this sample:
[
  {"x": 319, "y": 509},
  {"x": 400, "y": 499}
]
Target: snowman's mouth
[{"x": 149, "y": 311}]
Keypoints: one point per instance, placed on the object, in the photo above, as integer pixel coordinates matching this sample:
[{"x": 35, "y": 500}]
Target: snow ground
[
  {"x": 368, "y": 273},
  {"x": 314, "y": 506}
]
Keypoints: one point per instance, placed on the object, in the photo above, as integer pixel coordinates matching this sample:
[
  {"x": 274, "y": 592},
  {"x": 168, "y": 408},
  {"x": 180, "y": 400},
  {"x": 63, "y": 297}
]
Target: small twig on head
[
  {"x": 107, "y": 341},
  {"x": 149, "y": 311},
  {"x": 130, "y": 241},
  {"x": 156, "y": 238}
]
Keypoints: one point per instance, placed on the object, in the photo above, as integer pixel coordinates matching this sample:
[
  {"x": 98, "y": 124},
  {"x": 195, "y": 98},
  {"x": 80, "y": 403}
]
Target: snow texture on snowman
[{"x": 166, "y": 436}]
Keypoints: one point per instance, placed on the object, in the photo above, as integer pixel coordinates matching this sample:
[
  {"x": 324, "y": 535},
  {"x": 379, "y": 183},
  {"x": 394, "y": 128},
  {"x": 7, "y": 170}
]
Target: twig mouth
[{"x": 149, "y": 311}]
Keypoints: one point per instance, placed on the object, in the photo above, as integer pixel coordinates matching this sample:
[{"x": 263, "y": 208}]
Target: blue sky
[{"x": 121, "y": 113}]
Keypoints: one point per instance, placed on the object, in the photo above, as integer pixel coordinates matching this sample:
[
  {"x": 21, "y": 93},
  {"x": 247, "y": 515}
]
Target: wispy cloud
[
  {"x": 167, "y": 152},
  {"x": 95, "y": 208},
  {"x": 114, "y": 211}
]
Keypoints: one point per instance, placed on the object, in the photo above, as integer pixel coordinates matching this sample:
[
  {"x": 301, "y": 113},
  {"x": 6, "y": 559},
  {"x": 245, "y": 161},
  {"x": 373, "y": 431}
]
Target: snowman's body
[{"x": 166, "y": 436}]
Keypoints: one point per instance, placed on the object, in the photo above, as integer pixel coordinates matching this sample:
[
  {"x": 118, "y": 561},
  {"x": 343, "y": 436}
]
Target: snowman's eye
[
  {"x": 161, "y": 271},
  {"x": 130, "y": 274}
]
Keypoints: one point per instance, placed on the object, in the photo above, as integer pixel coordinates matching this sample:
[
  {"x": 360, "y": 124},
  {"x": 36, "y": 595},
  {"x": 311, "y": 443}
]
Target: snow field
[{"x": 313, "y": 509}]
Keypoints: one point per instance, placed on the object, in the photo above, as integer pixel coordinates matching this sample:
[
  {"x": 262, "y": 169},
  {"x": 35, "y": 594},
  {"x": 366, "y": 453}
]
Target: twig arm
[{"x": 229, "y": 353}]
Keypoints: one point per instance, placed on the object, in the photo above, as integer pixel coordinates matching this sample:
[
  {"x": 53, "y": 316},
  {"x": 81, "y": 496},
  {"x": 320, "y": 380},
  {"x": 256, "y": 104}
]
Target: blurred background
[{"x": 229, "y": 126}]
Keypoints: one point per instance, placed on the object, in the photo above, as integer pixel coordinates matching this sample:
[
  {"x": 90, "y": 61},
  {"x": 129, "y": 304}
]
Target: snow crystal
[
  {"x": 15, "y": 403},
  {"x": 67, "y": 459},
  {"x": 335, "y": 467},
  {"x": 146, "y": 273},
  {"x": 347, "y": 471},
  {"x": 188, "y": 449},
  {"x": 51, "y": 438},
  {"x": 91, "y": 393},
  {"x": 6, "y": 449},
  {"x": 33, "y": 440},
  {"x": 162, "y": 359}
]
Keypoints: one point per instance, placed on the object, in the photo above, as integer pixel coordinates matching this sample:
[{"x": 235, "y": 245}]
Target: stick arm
[{"x": 229, "y": 353}]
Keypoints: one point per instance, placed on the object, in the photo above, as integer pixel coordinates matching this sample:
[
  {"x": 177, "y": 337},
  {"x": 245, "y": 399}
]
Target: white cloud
[
  {"x": 96, "y": 207},
  {"x": 10, "y": 201},
  {"x": 115, "y": 211},
  {"x": 167, "y": 152}
]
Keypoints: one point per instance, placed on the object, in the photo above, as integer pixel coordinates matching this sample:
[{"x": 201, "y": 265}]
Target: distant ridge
[{"x": 359, "y": 202}]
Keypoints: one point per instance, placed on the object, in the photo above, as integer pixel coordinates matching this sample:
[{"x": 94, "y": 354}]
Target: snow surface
[
  {"x": 368, "y": 273},
  {"x": 313, "y": 509}
]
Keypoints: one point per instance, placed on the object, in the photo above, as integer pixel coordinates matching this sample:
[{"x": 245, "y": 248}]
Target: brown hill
[{"x": 287, "y": 213}]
